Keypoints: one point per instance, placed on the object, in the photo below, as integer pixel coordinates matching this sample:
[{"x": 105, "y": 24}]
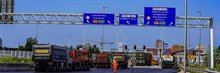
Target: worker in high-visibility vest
[
  {"x": 115, "y": 64},
  {"x": 131, "y": 64}
]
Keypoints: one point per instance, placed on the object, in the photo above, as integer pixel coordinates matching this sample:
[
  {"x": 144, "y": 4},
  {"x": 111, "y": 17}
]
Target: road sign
[
  {"x": 128, "y": 19},
  {"x": 96, "y": 18},
  {"x": 191, "y": 57},
  {"x": 159, "y": 16}
]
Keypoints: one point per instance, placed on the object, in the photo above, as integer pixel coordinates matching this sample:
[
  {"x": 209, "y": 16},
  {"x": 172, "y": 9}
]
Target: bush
[
  {"x": 197, "y": 66},
  {"x": 217, "y": 67},
  {"x": 16, "y": 60}
]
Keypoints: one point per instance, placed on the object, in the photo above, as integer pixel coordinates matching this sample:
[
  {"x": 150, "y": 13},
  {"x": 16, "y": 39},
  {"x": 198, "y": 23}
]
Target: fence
[{"x": 14, "y": 53}]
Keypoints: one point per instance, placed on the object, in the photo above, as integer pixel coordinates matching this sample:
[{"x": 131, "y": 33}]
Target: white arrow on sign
[
  {"x": 148, "y": 23},
  {"x": 128, "y": 22},
  {"x": 109, "y": 22},
  {"x": 87, "y": 21},
  {"x": 171, "y": 23}
]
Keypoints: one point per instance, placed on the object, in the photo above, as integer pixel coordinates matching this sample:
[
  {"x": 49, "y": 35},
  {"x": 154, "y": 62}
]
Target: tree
[
  {"x": 0, "y": 43},
  {"x": 30, "y": 42},
  {"x": 216, "y": 57},
  {"x": 22, "y": 48}
]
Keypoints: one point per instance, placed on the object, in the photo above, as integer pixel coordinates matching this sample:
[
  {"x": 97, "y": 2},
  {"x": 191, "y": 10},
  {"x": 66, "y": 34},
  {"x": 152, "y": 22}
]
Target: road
[{"x": 143, "y": 69}]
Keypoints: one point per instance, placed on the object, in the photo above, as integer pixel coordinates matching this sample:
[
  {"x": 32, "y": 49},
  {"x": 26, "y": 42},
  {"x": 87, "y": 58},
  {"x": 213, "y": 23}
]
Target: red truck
[
  {"x": 80, "y": 59},
  {"x": 102, "y": 60}
]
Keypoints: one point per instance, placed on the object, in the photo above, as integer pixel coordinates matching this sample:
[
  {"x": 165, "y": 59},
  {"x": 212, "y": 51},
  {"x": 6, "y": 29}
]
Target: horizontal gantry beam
[{"x": 74, "y": 19}]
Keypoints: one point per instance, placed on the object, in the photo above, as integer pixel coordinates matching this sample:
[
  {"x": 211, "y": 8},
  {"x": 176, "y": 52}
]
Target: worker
[
  {"x": 115, "y": 64},
  {"x": 131, "y": 64}
]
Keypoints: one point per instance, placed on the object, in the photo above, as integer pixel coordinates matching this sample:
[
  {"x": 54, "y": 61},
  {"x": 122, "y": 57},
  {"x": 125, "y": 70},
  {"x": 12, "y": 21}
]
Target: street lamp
[
  {"x": 37, "y": 31},
  {"x": 103, "y": 32},
  {"x": 117, "y": 32},
  {"x": 68, "y": 39},
  {"x": 84, "y": 35},
  {"x": 200, "y": 14}
]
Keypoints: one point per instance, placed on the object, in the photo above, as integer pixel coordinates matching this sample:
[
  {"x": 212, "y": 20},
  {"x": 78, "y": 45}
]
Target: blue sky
[{"x": 58, "y": 34}]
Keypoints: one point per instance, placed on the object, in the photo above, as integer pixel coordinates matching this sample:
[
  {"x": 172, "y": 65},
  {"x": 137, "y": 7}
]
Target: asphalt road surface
[{"x": 152, "y": 69}]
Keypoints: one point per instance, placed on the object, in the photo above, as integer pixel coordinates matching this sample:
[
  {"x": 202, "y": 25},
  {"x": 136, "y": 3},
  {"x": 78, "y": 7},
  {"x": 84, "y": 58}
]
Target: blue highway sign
[
  {"x": 96, "y": 18},
  {"x": 159, "y": 16},
  {"x": 128, "y": 19}
]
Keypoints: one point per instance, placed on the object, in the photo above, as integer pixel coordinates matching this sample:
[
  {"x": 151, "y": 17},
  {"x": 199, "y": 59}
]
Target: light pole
[
  {"x": 84, "y": 35},
  {"x": 200, "y": 33},
  {"x": 117, "y": 32},
  {"x": 68, "y": 39},
  {"x": 37, "y": 31},
  {"x": 161, "y": 47},
  {"x": 185, "y": 39},
  {"x": 103, "y": 32}
]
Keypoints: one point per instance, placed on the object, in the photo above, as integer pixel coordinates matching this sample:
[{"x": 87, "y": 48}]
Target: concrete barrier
[{"x": 16, "y": 67}]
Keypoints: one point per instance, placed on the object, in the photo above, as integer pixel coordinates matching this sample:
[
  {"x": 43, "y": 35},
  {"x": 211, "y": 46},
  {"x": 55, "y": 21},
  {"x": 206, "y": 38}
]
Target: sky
[{"x": 15, "y": 34}]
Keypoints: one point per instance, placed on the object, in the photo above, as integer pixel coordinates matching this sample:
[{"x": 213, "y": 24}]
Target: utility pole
[
  {"x": 185, "y": 39},
  {"x": 200, "y": 33}
]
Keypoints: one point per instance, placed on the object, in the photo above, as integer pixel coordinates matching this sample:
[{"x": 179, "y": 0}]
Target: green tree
[
  {"x": 29, "y": 43},
  {"x": 0, "y": 43},
  {"x": 217, "y": 56},
  {"x": 22, "y": 48}
]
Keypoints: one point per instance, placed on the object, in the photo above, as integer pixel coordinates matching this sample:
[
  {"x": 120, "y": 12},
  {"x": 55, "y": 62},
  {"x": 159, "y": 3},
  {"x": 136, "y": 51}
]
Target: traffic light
[
  {"x": 135, "y": 47},
  {"x": 144, "y": 47},
  {"x": 94, "y": 46},
  {"x": 126, "y": 47}
]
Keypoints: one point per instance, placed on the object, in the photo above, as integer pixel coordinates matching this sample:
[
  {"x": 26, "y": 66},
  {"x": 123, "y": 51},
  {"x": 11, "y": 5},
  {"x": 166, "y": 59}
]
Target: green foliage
[
  {"x": 16, "y": 60},
  {"x": 196, "y": 66},
  {"x": 217, "y": 56},
  {"x": 205, "y": 60},
  {"x": 217, "y": 67},
  {"x": 22, "y": 48},
  {"x": 29, "y": 43},
  {"x": 0, "y": 43}
]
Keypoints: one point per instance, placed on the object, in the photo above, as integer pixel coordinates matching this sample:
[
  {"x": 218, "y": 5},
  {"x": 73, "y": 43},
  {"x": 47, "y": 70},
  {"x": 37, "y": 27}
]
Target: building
[
  {"x": 202, "y": 53},
  {"x": 154, "y": 52},
  {"x": 158, "y": 44}
]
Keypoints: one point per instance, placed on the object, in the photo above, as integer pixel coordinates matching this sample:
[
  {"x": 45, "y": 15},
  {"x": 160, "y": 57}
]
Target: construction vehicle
[
  {"x": 140, "y": 58},
  {"x": 149, "y": 59},
  {"x": 122, "y": 59},
  {"x": 167, "y": 61},
  {"x": 155, "y": 62},
  {"x": 80, "y": 59},
  {"x": 103, "y": 60},
  {"x": 51, "y": 58}
]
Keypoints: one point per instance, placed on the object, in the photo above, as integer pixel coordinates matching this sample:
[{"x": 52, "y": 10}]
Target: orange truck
[
  {"x": 80, "y": 59},
  {"x": 102, "y": 60}
]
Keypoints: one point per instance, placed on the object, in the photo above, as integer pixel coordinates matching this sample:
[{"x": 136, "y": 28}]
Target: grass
[{"x": 16, "y": 60}]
